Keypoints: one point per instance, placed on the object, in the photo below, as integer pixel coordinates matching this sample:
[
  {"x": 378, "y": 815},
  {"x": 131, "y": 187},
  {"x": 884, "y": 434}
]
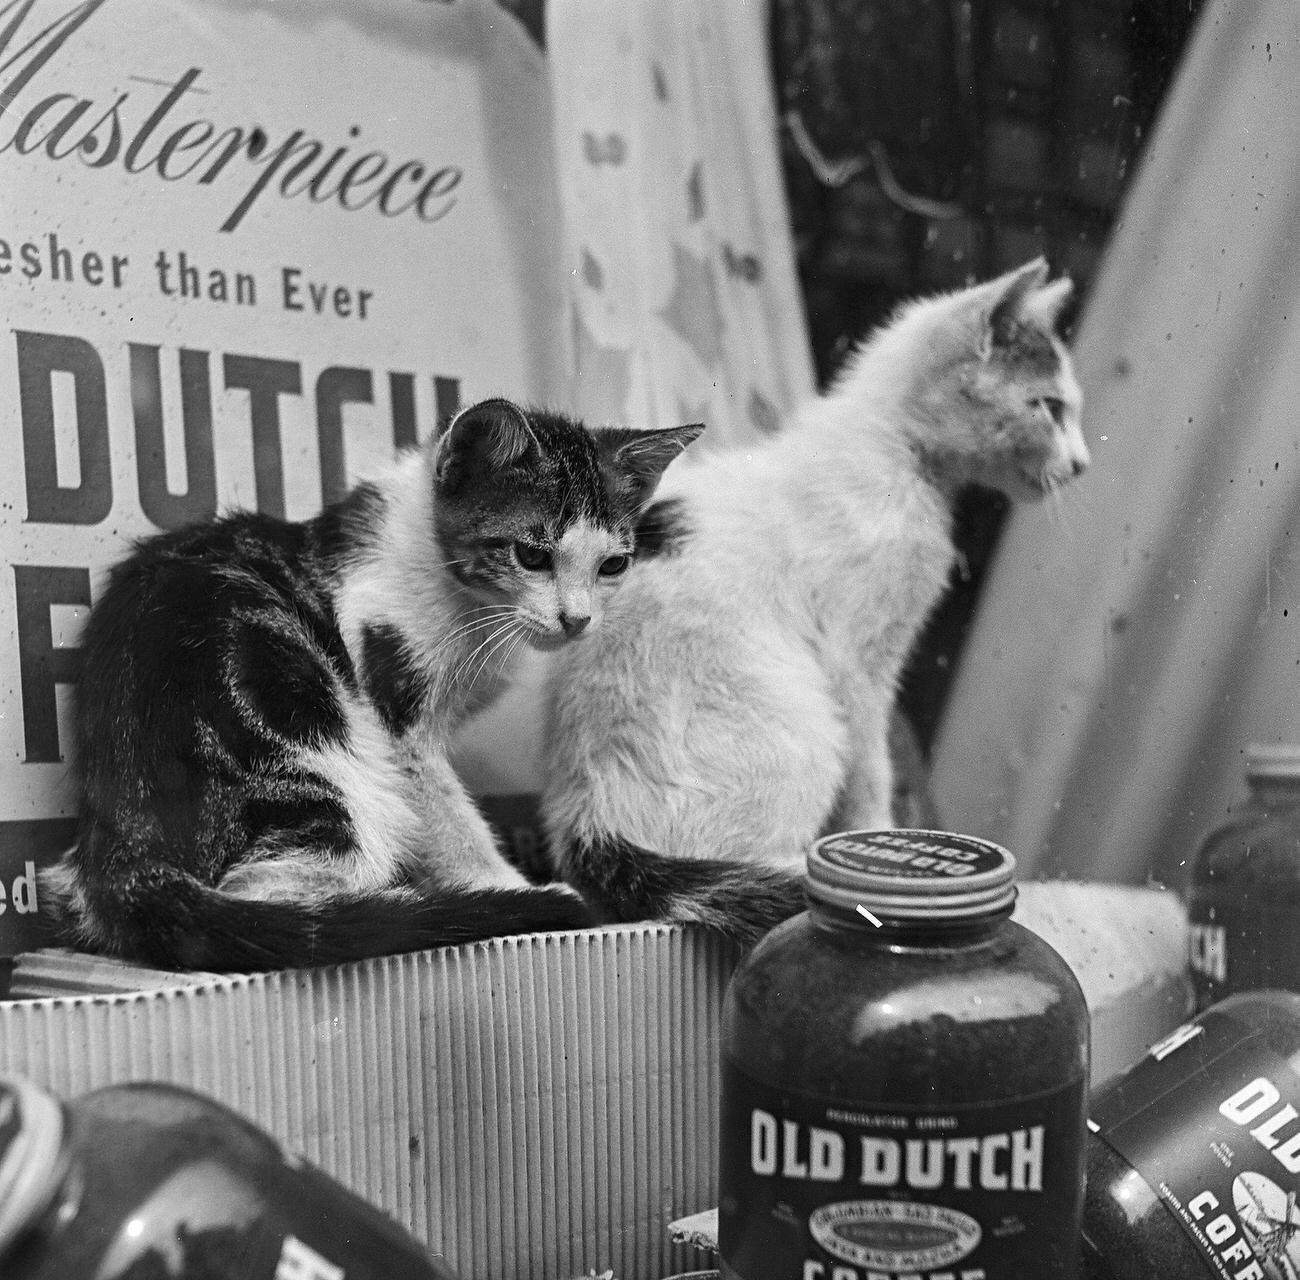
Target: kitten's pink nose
[{"x": 574, "y": 626}]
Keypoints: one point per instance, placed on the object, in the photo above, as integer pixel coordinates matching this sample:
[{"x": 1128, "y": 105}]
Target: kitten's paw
[{"x": 58, "y": 891}]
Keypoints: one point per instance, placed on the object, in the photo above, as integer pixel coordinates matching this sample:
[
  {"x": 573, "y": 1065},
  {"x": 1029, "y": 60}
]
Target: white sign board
[{"x": 246, "y": 249}]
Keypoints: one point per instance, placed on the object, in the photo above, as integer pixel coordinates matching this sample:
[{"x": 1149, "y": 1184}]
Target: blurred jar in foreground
[
  {"x": 1194, "y": 1156},
  {"x": 148, "y": 1181},
  {"x": 1243, "y": 897}
]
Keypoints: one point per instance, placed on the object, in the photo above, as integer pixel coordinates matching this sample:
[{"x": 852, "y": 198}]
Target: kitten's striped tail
[
  {"x": 741, "y": 900},
  {"x": 169, "y": 919}
]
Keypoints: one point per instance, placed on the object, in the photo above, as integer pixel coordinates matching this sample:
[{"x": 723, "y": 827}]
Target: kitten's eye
[
  {"x": 532, "y": 558},
  {"x": 1054, "y": 408},
  {"x": 612, "y": 566}
]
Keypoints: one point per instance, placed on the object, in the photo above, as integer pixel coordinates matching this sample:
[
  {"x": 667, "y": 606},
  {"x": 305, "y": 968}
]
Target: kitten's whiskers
[
  {"x": 448, "y": 661},
  {"x": 1053, "y": 490},
  {"x": 494, "y": 613},
  {"x": 472, "y": 666},
  {"x": 512, "y": 633},
  {"x": 520, "y": 637}
]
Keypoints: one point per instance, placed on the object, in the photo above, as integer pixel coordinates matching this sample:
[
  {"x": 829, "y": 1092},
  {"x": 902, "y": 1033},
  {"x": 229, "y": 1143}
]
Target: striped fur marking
[
  {"x": 662, "y": 529},
  {"x": 394, "y": 681}
]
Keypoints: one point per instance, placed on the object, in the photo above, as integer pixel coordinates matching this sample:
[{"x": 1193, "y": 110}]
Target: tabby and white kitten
[
  {"x": 265, "y": 706},
  {"x": 736, "y": 704}
]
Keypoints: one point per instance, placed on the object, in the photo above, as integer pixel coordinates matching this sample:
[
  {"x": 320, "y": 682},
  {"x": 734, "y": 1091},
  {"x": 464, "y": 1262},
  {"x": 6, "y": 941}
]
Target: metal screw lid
[
  {"x": 912, "y": 876},
  {"x": 1273, "y": 760},
  {"x": 31, "y": 1155}
]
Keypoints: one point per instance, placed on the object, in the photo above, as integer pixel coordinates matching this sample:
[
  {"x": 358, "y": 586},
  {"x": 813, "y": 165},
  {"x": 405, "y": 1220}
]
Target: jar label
[
  {"x": 1210, "y": 1119},
  {"x": 1238, "y": 945},
  {"x": 811, "y": 1190}
]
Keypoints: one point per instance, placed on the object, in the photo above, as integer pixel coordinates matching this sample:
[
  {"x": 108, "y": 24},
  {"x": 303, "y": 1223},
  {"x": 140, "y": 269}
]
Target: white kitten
[{"x": 736, "y": 703}]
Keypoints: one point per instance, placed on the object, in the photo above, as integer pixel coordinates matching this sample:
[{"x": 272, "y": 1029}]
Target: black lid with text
[{"x": 904, "y": 876}]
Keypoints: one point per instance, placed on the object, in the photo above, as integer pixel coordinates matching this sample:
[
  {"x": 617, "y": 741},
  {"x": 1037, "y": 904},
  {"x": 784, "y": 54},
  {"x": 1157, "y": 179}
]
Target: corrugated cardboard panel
[{"x": 534, "y": 1106}]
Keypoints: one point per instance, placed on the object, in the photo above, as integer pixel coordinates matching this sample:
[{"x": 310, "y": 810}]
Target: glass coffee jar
[
  {"x": 1243, "y": 896},
  {"x": 904, "y": 1076},
  {"x": 1194, "y": 1155}
]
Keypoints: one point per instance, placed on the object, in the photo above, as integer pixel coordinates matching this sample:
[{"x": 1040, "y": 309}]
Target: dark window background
[{"x": 927, "y": 143}]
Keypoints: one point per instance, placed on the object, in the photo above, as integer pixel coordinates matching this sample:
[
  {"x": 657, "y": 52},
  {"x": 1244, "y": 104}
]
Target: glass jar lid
[
  {"x": 912, "y": 876},
  {"x": 31, "y": 1155}
]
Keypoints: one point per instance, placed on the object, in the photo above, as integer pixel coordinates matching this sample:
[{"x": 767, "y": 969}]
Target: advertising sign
[{"x": 247, "y": 250}]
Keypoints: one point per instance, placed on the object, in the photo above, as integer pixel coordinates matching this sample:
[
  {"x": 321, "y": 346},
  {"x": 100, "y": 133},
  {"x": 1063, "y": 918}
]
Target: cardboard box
[{"x": 537, "y": 1107}]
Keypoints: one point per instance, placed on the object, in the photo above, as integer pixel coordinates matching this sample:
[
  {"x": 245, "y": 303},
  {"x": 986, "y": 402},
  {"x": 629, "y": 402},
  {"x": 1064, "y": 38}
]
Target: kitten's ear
[
  {"x": 494, "y": 433},
  {"x": 1007, "y": 296},
  {"x": 644, "y": 455},
  {"x": 1046, "y": 304}
]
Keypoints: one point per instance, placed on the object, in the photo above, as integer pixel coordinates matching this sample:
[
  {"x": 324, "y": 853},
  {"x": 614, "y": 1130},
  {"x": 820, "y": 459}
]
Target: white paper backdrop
[{"x": 1126, "y": 653}]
